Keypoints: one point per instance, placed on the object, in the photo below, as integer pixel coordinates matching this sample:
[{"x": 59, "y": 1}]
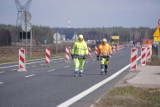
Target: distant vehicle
[{"x": 115, "y": 40}]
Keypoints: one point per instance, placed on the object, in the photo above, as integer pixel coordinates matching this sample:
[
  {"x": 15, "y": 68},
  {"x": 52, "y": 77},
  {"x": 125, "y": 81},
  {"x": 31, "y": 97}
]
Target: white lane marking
[
  {"x": 34, "y": 66},
  {"x": 41, "y": 64},
  {"x": 66, "y": 66},
  {"x": 1, "y": 83},
  {"x": 29, "y": 75},
  {"x": 1, "y": 72},
  {"x": 26, "y": 63},
  {"x": 87, "y": 61},
  {"x": 14, "y": 69},
  {"x": 61, "y": 58},
  {"x": 51, "y": 70},
  {"x": 91, "y": 89}
]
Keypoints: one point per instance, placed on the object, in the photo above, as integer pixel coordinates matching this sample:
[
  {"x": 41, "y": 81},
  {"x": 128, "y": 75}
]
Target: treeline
[
  {"x": 10, "y": 35},
  {"x": 126, "y": 34}
]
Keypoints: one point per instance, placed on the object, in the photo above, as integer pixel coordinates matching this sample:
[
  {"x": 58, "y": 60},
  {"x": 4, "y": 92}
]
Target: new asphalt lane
[{"x": 49, "y": 86}]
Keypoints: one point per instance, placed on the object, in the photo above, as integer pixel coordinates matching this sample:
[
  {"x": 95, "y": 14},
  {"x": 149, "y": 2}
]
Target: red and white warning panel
[
  {"x": 143, "y": 55},
  {"x": 134, "y": 53},
  {"x": 89, "y": 51},
  {"x": 22, "y": 66},
  {"x": 48, "y": 55},
  {"x": 67, "y": 53},
  {"x": 149, "y": 53},
  {"x": 96, "y": 50}
]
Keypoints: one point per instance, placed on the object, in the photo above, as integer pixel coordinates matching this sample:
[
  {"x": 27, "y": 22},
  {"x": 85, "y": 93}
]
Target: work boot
[
  {"x": 75, "y": 73},
  {"x": 106, "y": 71},
  {"x": 102, "y": 70},
  {"x": 80, "y": 74}
]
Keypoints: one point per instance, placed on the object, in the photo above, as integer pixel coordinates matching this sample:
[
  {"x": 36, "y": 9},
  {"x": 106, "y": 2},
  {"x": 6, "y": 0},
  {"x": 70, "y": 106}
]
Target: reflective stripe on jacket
[
  {"x": 104, "y": 49},
  {"x": 80, "y": 48}
]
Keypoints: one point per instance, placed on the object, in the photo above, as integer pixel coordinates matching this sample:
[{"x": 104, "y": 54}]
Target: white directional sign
[
  {"x": 75, "y": 37},
  {"x": 57, "y": 38}
]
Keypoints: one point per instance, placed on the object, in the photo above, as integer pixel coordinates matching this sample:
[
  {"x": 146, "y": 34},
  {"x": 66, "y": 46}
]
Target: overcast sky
[{"x": 86, "y": 13}]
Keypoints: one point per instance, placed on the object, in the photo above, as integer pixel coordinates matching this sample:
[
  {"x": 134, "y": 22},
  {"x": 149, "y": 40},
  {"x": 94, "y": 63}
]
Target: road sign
[
  {"x": 115, "y": 37},
  {"x": 157, "y": 39},
  {"x": 75, "y": 37},
  {"x": 57, "y": 38},
  {"x": 26, "y": 26},
  {"x": 157, "y": 32},
  {"x": 159, "y": 22},
  {"x": 26, "y": 16}
]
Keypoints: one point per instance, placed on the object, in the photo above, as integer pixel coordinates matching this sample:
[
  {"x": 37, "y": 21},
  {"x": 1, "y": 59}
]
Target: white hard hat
[
  {"x": 104, "y": 40},
  {"x": 80, "y": 36}
]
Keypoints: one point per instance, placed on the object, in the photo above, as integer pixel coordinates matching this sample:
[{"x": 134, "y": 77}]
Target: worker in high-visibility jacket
[
  {"x": 104, "y": 53},
  {"x": 79, "y": 54}
]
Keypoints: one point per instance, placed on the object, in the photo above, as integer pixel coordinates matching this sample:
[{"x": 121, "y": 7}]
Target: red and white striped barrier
[
  {"x": 67, "y": 54},
  {"x": 114, "y": 48},
  {"x": 96, "y": 50},
  {"x": 89, "y": 51},
  {"x": 22, "y": 60},
  {"x": 149, "y": 52},
  {"x": 134, "y": 53},
  {"x": 70, "y": 49},
  {"x": 143, "y": 55},
  {"x": 48, "y": 55}
]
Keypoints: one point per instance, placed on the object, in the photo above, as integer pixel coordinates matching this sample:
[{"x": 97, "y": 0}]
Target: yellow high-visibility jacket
[
  {"x": 80, "y": 48},
  {"x": 104, "y": 49}
]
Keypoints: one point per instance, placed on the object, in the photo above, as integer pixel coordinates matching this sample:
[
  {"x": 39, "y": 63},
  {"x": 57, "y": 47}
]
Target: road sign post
[
  {"x": 159, "y": 49},
  {"x": 156, "y": 36}
]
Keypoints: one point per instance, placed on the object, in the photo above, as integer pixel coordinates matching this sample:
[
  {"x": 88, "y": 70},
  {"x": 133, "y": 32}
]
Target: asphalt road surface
[{"x": 43, "y": 86}]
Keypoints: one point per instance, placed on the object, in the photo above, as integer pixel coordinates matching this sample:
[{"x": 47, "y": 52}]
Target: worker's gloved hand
[
  {"x": 97, "y": 57},
  {"x": 85, "y": 56},
  {"x": 72, "y": 56},
  {"x": 110, "y": 55}
]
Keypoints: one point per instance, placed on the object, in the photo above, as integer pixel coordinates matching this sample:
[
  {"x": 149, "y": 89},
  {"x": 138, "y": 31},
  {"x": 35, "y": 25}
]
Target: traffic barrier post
[
  {"x": 22, "y": 66},
  {"x": 48, "y": 56},
  {"x": 96, "y": 50},
  {"x": 67, "y": 54},
  {"x": 149, "y": 52},
  {"x": 134, "y": 53},
  {"x": 89, "y": 51},
  {"x": 143, "y": 56}
]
